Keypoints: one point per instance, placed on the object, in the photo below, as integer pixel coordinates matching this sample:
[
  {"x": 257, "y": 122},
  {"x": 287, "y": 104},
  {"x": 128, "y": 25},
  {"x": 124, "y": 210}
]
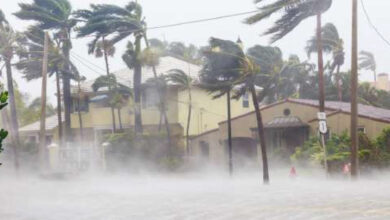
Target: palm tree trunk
[
  {"x": 320, "y": 65},
  {"x": 79, "y": 111},
  {"x": 109, "y": 86},
  {"x": 260, "y": 129},
  {"x": 120, "y": 119},
  {"x": 354, "y": 87},
  {"x": 338, "y": 81},
  {"x": 230, "y": 142},
  {"x": 161, "y": 98},
  {"x": 188, "y": 122},
  {"x": 59, "y": 116},
  {"x": 66, "y": 89},
  {"x": 137, "y": 89},
  {"x": 14, "y": 118}
]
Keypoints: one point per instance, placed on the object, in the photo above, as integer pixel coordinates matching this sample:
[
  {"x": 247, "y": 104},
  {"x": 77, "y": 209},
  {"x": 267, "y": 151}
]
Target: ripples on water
[{"x": 211, "y": 196}]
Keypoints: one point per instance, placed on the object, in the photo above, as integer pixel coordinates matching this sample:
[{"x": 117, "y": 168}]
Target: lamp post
[{"x": 104, "y": 146}]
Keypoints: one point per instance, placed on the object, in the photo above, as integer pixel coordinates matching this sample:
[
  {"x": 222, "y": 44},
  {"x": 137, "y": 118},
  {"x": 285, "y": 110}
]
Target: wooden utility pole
[
  {"x": 42, "y": 134},
  {"x": 230, "y": 142},
  {"x": 321, "y": 83},
  {"x": 354, "y": 86}
]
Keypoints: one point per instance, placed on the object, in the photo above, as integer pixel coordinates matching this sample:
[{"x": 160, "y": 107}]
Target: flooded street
[{"x": 193, "y": 197}]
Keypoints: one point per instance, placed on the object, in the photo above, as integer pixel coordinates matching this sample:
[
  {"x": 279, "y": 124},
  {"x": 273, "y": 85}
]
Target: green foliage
[
  {"x": 374, "y": 153},
  {"x": 3, "y": 103}
]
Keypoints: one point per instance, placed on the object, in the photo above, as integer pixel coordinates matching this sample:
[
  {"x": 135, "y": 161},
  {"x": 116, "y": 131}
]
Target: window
[
  {"x": 286, "y": 112},
  {"x": 245, "y": 100},
  {"x": 204, "y": 149},
  {"x": 82, "y": 106},
  {"x": 361, "y": 129},
  {"x": 150, "y": 98}
]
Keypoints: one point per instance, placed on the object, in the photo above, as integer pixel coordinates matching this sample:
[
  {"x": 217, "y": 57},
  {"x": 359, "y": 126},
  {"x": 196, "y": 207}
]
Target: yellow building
[
  {"x": 383, "y": 82},
  {"x": 96, "y": 113},
  {"x": 287, "y": 125}
]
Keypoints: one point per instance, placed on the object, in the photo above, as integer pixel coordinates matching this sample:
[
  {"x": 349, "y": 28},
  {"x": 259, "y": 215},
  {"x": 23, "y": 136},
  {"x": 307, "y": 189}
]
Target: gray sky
[{"x": 158, "y": 12}]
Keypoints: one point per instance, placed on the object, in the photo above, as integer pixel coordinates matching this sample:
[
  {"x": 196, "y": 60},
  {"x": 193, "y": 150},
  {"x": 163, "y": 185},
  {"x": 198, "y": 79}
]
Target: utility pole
[
  {"x": 230, "y": 143},
  {"x": 354, "y": 86},
  {"x": 42, "y": 134},
  {"x": 321, "y": 84}
]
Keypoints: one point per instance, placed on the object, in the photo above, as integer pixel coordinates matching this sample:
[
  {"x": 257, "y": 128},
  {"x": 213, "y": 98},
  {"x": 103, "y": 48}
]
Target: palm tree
[
  {"x": 331, "y": 43},
  {"x": 293, "y": 12},
  {"x": 9, "y": 44},
  {"x": 118, "y": 23},
  {"x": 30, "y": 64},
  {"x": 117, "y": 96},
  {"x": 55, "y": 15},
  {"x": 219, "y": 71},
  {"x": 184, "y": 81},
  {"x": 367, "y": 62}
]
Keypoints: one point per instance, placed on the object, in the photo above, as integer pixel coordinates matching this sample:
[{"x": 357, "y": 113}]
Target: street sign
[
  {"x": 323, "y": 127},
  {"x": 321, "y": 116}
]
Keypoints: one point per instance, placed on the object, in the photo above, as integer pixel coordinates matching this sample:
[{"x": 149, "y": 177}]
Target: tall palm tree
[
  {"x": 331, "y": 43},
  {"x": 117, "y": 96},
  {"x": 55, "y": 15},
  {"x": 9, "y": 44},
  {"x": 30, "y": 64},
  {"x": 116, "y": 23},
  {"x": 367, "y": 62},
  {"x": 184, "y": 81},
  {"x": 219, "y": 71},
  {"x": 293, "y": 12}
]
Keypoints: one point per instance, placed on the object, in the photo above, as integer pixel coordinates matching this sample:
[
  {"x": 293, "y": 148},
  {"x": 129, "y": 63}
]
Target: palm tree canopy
[
  {"x": 50, "y": 14},
  {"x": 180, "y": 78},
  {"x": 3, "y": 20},
  {"x": 367, "y": 61},
  {"x": 111, "y": 20},
  {"x": 293, "y": 12},
  {"x": 111, "y": 81},
  {"x": 331, "y": 43},
  {"x": 221, "y": 68},
  {"x": 30, "y": 58}
]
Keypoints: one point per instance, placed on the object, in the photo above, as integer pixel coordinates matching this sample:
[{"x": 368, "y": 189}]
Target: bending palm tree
[
  {"x": 117, "y": 96},
  {"x": 8, "y": 47},
  {"x": 117, "y": 23},
  {"x": 331, "y": 43},
  {"x": 367, "y": 62},
  {"x": 184, "y": 81},
  {"x": 30, "y": 64},
  {"x": 55, "y": 15},
  {"x": 293, "y": 13}
]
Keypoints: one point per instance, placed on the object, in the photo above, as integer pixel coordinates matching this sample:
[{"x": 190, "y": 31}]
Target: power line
[
  {"x": 372, "y": 24},
  {"x": 182, "y": 23}
]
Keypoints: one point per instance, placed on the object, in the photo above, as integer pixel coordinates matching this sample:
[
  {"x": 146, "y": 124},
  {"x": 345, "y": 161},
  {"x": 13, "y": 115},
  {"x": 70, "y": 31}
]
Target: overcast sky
[{"x": 158, "y": 12}]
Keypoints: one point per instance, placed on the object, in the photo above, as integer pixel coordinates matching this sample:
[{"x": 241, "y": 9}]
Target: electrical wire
[{"x": 372, "y": 24}]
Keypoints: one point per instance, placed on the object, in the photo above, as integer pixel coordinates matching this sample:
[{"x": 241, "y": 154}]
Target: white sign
[
  {"x": 321, "y": 116},
  {"x": 323, "y": 127}
]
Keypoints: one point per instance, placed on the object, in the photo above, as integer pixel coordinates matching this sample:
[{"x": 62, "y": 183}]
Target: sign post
[{"x": 323, "y": 128}]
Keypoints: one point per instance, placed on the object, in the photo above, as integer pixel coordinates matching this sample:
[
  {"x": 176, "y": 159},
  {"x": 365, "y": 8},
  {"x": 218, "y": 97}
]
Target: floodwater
[{"x": 193, "y": 196}]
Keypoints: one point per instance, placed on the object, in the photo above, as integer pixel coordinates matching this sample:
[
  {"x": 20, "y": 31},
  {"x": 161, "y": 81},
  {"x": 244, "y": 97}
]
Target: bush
[{"x": 372, "y": 153}]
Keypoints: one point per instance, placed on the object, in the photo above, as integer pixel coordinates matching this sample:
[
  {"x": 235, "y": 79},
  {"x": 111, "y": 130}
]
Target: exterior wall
[
  {"x": 383, "y": 82},
  {"x": 241, "y": 126},
  {"x": 340, "y": 122},
  {"x": 206, "y": 111},
  {"x": 216, "y": 151}
]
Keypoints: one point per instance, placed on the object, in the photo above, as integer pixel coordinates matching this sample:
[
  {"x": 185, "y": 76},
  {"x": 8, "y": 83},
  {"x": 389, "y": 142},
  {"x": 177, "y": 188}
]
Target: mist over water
[{"x": 196, "y": 195}]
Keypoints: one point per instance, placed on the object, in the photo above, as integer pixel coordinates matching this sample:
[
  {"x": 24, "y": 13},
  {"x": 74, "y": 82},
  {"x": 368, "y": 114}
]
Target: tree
[
  {"x": 30, "y": 64},
  {"x": 367, "y": 62},
  {"x": 3, "y": 104},
  {"x": 9, "y": 45},
  {"x": 184, "y": 81},
  {"x": 218, "y": 73},
  {"x": 55, "y": 15},
  {"x": 117, "y": 23},
  {"x": 331, "y": 43},
  {"x": 293, "y": 12},
  {"x": 117, "y": 96}
]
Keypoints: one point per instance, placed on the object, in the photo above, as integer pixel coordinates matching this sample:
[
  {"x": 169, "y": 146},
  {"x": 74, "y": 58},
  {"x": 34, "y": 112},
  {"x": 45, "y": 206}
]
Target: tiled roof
[
  {"x": 285, "y": 122},
  {"x": 167, "y": 63},
  {"x": 51, "y": 123},
  {"x": 364, "y": 110}
]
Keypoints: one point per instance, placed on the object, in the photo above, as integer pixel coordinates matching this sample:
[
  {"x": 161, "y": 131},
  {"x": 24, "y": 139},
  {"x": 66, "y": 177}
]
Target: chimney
[{"x": 383, "y": 82}]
